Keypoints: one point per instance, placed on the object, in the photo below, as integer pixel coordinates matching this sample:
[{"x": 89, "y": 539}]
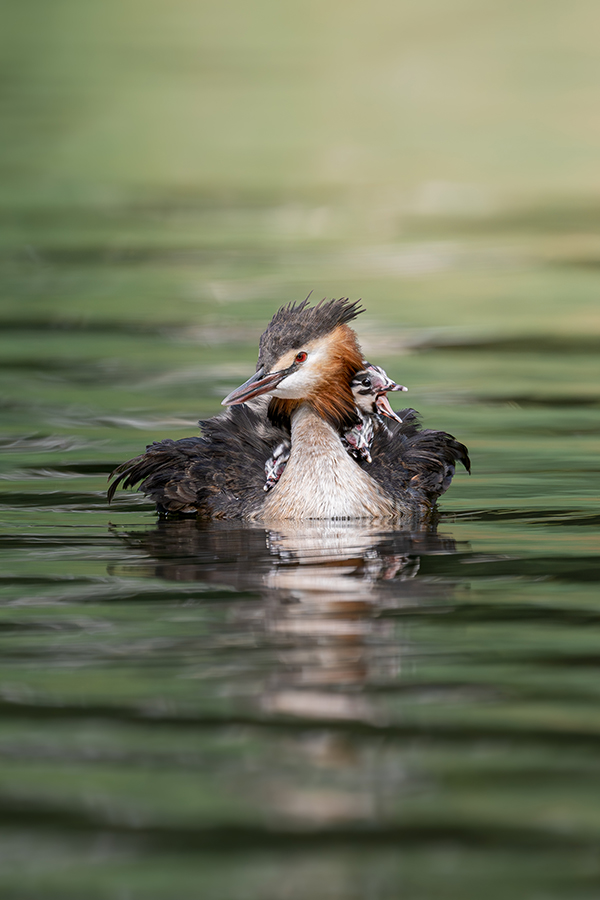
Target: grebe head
[
  {"x": 307, "y": 354},
  {"x": 369, "y": 388}
]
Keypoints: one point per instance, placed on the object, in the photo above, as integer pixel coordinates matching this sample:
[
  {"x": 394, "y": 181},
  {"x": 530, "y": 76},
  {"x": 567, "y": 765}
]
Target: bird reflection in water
[
  {"x": 330, "y": 595},
  {"x": 327, "y": 581}
]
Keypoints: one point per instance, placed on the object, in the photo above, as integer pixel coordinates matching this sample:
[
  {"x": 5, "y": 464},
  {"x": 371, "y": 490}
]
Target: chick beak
[
  {"x": 382, "y": 405},
  {"x": 257, "y": 384}
]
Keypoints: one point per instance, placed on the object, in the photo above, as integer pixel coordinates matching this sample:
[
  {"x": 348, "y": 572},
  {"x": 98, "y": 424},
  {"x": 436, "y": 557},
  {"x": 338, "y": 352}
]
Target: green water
[{"x": 333, "y": 712}]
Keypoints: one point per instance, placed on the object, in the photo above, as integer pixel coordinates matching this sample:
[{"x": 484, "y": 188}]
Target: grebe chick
[
  {"x": 369, "y": 387},
  {"x": 308, "y": 357}
]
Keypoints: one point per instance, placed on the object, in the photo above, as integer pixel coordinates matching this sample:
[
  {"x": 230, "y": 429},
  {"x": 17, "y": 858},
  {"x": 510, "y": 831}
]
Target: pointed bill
[
  {"x": 257, "y": 384},
  {"x": 382, "y": 405}
]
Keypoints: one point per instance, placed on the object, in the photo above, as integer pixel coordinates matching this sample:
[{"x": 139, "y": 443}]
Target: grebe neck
[{"x": 321, "y": 481}]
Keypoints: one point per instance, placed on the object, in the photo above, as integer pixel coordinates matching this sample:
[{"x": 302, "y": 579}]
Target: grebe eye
[
  {"x": 367, "y": 382},
  {"x": 301, "y": 357}
]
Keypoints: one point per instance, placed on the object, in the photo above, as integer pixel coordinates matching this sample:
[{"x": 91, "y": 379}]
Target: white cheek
[
  {"x": 294, "y": 387},
  {"x": 303, "y": 381}
]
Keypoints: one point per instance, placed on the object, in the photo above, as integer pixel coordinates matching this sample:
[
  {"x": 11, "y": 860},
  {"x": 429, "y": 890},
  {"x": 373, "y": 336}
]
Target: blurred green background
[{"x": 438, "y": 159}]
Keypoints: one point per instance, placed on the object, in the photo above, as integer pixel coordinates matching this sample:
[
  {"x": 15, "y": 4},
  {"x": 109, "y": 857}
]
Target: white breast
[{"x": 321, "y": 481}]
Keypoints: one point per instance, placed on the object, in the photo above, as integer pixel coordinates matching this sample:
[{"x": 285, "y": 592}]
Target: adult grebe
[{"x": 308, "y": 363}]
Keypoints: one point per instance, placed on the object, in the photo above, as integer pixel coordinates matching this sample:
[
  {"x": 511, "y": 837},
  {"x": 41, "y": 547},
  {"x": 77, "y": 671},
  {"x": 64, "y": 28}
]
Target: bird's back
[
  {"x": 414, "y": 462},
  {"x": 218, "y": 475}
]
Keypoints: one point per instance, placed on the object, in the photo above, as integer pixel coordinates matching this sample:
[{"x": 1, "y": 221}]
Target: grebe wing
[
  {"x": 407, "y": 458},
  {"x": 218, "y": 475}
]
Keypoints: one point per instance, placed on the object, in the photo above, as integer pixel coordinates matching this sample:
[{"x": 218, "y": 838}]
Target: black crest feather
[{"x": 298, "y": 323}]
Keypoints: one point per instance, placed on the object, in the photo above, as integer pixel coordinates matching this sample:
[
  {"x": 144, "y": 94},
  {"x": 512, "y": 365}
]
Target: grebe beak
[
  {"x": 257, "y": 384},
  {"x": 382, "y": 404}
]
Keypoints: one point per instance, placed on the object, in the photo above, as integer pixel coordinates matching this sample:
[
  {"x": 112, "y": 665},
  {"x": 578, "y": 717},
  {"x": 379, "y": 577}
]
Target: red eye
[{"x": 300, "y": 357}]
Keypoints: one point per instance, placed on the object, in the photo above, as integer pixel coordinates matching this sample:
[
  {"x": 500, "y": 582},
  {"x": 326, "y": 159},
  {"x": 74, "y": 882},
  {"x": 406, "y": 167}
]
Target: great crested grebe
[
  {"x": 369, "y": 389},
  {"x": 306, "y": 393}
]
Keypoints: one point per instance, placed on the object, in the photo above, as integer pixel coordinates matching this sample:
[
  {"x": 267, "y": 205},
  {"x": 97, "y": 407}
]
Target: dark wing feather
[
  {"x": 220, "y": 474},
  {"x": 421, "y": 462}
]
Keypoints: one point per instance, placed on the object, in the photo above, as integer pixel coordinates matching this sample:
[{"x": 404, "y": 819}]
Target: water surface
[{"x": 339, "y": 704}]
